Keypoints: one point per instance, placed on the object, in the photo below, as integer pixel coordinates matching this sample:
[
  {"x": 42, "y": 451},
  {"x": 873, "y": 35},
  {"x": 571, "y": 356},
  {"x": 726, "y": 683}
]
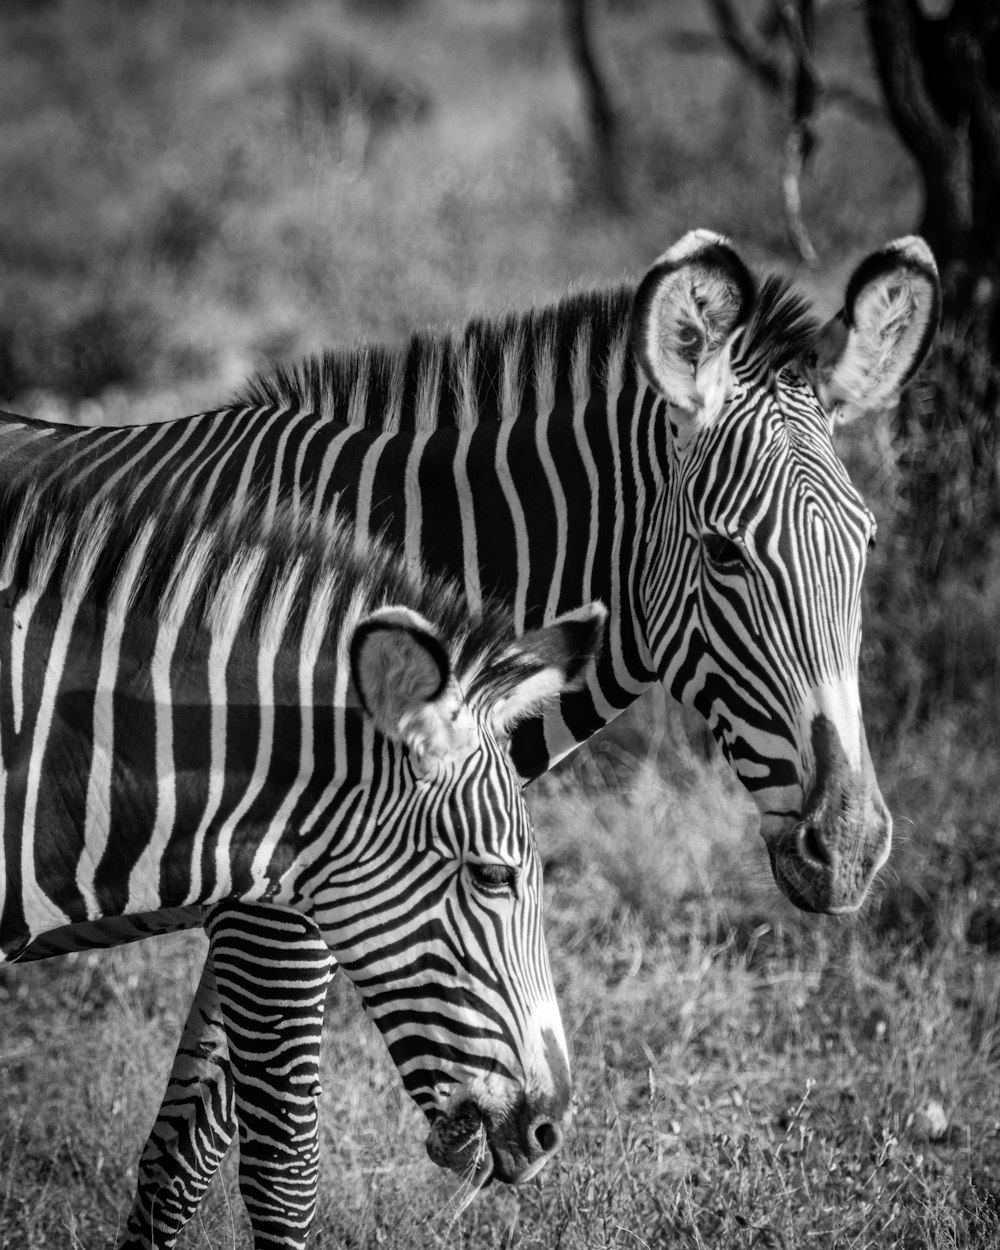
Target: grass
[
  {"x": 744, "y": 1076},
  {"x": 189, "y": 189}
]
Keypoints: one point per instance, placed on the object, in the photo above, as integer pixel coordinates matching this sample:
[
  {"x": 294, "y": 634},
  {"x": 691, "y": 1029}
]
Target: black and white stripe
[
  {"x": 666, "y": 449},
  {"x": 276, "y": 717}
]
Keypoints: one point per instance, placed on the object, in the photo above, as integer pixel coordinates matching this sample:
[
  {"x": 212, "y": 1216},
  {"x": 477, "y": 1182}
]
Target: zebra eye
[
  {"x": 723, "y": 554},
  {"x": 493, "y": 878}
]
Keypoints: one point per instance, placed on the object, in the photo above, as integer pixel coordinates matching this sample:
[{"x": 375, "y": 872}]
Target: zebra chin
[{"x": 821, "y": 892}]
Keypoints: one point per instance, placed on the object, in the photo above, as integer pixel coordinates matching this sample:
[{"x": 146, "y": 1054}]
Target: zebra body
[
  {"x": 665, "y": 449},
  {"x": 230, "y": 721},
  {"x": 554, "y": 458}
]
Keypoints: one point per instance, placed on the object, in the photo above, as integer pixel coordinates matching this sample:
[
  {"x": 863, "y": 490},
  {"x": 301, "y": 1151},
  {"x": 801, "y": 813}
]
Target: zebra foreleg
[
  {"x": 272, "y": 1003},
  {"x": 196, "y": 1123}
]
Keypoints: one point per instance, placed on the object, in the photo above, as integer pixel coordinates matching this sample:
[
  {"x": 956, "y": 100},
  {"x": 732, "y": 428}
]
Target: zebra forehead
[{"x": 781, "y": 328}]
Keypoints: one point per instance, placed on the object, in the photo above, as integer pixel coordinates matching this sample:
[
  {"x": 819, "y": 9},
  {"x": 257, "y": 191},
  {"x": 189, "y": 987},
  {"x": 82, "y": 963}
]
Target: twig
[
  {"x": 794, "y": 160},
  {"x": 749, "y": 47},
  {"x": 605, "y": 113},
  {"x": 799, "y": 20}
]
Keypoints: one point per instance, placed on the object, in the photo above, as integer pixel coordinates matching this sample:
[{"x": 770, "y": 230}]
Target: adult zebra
[
  {"x": 198, "y": 716},
  {"x": 666, "y": 449}
]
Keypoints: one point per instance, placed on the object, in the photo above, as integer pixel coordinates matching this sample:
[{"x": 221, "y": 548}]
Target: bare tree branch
[
  {"x": 790, "y": 181},
  {"x": 840, "y": 94},
  {"x": 605, "y": 113},
  {"x": 799, "y": 19},
  {"x": 749, "y": 47},
  {"x": 851, "y": 100}
]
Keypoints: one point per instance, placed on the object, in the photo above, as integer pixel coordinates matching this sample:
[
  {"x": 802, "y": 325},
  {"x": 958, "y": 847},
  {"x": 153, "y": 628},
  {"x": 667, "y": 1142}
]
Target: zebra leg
[
  {"x": 197, "y": 1121},
  {"x": 272, "y": 1004}
]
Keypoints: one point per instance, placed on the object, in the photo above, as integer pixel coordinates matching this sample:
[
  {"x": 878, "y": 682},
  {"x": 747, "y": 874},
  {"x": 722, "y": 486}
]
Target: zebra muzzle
[
  {"x": 826, "y": 860},
  {"x": 457, "y": 1141}
]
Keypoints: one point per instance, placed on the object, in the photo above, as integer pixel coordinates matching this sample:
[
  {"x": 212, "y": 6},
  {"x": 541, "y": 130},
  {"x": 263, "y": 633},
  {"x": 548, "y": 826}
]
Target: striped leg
[
  {"x": 272, "y": 1004},
  {"x": 196, "y": 1124}
]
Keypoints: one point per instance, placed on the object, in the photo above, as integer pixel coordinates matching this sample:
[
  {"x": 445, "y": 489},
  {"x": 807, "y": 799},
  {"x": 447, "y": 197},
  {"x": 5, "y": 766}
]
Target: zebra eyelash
[
  {"x": 722, "y": 553},
  {"x": 494, "y": 879}
]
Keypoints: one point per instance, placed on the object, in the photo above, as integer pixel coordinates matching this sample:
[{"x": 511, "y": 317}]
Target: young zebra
[
  {"x": 193, "y": 717},
  {"x": 665, "y": 448}
]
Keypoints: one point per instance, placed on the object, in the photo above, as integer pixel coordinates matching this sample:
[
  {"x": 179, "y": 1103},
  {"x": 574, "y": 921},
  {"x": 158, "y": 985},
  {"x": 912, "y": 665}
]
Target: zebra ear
[
  {"x": 552, "y": 660},
  {"x": 686, "y": 311},
  {"x": 880, "y": 337},
  {"x": 398, "y": 665}
]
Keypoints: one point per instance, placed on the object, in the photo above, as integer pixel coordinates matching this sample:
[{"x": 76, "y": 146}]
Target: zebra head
[
  {"x": 754, "y": 601},
  {"x": 443, "y": 936}
]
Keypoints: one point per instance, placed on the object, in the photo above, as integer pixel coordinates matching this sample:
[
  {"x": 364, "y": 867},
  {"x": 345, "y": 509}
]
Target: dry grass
[
  {"x": 744, "y": 1077},
  {"x": 197, "y": 184}
]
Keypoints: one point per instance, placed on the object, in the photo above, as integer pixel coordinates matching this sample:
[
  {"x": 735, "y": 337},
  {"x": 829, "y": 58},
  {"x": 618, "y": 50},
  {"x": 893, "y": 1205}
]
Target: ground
[{"x": 190, "y": 190}]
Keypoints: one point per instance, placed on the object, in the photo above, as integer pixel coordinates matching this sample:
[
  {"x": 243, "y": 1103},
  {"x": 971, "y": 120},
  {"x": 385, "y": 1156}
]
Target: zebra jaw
[{"x": 458, "y": 1142}]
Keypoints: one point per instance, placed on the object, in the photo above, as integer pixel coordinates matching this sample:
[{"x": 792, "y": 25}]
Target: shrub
[
  {"x": 77, "y": 353},
  {"x": 330, "y": 85},
  {"x": 182, "y": 227},
  {"x": 107, "y": 343},
  {"x": 933, "y": 589},
  {"x": 949, "y": 460},
  {"x": 12, "y": 376}
]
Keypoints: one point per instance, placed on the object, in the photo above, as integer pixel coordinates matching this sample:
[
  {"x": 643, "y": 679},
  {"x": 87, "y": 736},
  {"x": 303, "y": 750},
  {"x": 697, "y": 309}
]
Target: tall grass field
[{"x": 191, "y": 190}]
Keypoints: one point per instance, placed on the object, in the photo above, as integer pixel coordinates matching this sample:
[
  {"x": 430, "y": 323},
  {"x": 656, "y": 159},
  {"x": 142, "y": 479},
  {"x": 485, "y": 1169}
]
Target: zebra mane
[
  {"x": 461, "y": 377},
  {"x": 240, "y": 577},
  {"x": 782, "y": 327},
  {"x": 480, "y": 372}
]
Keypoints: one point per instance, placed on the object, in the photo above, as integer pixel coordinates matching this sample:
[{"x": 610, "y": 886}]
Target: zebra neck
[
  {"x": 547, "y": 512},
  {"x": 546, "y": 509}
]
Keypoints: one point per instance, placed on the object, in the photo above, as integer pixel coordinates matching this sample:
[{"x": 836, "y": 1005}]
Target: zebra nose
[
  {"x": 812, "y": 847},
  {"x": 548, "y": 1136}
]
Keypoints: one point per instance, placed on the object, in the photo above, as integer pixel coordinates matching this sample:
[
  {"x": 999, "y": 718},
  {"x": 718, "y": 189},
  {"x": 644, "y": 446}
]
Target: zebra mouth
[
  {"x": 789, "y": 888},
  {"x": 457, "y": 1141}
]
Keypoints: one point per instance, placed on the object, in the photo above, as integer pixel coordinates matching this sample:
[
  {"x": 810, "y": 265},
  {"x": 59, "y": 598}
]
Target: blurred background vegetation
[{"x": 191, "y": 189}]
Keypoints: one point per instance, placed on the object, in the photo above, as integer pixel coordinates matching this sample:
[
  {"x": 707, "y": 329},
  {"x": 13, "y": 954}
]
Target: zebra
[
  {"x": 198, "y": 716},
  {"x": 665, "y": 447}
]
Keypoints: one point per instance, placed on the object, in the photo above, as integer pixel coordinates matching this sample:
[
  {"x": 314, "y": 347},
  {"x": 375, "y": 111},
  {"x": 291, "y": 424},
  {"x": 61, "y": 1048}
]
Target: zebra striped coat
[
  {"x": 199, "y": 716},
  {"x": 666, "y": 449}
]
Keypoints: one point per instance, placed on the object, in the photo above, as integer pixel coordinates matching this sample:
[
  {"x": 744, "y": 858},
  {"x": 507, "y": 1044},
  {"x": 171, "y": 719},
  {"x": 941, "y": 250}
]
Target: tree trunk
[{"x": 941, "y": 79}]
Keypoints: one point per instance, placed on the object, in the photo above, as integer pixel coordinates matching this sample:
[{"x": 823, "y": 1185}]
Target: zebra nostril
[
  {"x": 811, "y": 846},
  {"x": 548, "y": 1137}
]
